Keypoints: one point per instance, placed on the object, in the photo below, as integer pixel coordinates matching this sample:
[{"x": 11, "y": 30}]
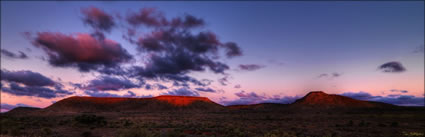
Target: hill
[
  {"x": 79, "y": 104},
  {"x": 22, "y": 110},
  {"x": 321, "y": 99},
  {"x": 115, "y": 104}
]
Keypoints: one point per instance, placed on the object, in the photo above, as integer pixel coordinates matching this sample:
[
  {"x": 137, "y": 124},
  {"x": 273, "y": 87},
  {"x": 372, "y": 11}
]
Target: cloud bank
[
  {"x": 396, "y": 99},
  {"x": 28, "y": 83},
  {"x": 12, "y": 55}
]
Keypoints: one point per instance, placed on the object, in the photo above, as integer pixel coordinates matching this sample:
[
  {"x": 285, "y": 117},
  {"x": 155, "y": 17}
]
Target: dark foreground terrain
[{"x": 261, "y": 120}]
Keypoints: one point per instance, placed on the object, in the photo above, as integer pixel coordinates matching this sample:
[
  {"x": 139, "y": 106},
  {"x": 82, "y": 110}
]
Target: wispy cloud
[
  {"x": 250, "y": 67},
  {"x": 12, "y": 55}
]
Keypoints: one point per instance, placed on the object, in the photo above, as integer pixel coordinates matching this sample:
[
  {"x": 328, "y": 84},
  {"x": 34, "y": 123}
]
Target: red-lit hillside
[
  {"x": 112, "y": 104},
  {"x": 321, "y": 99},
  {"x": 77, "y": 104},
  {"x": 182, "y": 100}
]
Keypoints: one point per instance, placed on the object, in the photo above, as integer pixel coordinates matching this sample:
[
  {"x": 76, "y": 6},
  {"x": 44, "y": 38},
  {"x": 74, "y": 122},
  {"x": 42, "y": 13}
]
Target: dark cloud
[
  {"x": 329, "y": 75},
  {"x": 205, "y": 90},
  {"x": 237, "y": 86},
  {"x": 393, "y": 67},
  {"x": 161, "y": 87},
  {"x": 419, "y": 49},
  {"x": 323, "y": 75},
  {"x": 175, "y": 48},
  {"x": 110, "y": 83},
  {"x": 282, "y": 100},
  {"x": 36, "y": 91},
  {"x": 242, "y": 94},
  {"x": 401, "y": 91},
  {"x": 9, "y": 54},
  {"x": 396, "y": 99},
  {"x": 146, "y": 96},
  {"x": 359, "y": 95},
  {"x": 187, "y": 21},
  {"x": 26, "y": 77},
  {"x": 250, "y": 67},
  {"x": 100, "y": 94},
  {"x": 84, "y": 51},
  {"x": 148, "y": 86},
  {"x": 182, "y": 59},
  {"x": 28, "y": 83},
  {"x": 147, "y": 16},
  {"x": 129, "y": 94},
  {"x": 98, "y": 19},
  {"x": 171, "y": 48},
  {"x": 232, "y": 49},
  {"x": 182, "y": 92},
  {"x": 253, "y": 98},
  {"x": 276, "y": 62},
  {"x": 151, "y": 17},
  {"x": 224, "y": 80},
  {"x": 7, "y": 107},
  {"x": 178, "y": 80},
  {"x": 336, "y": 74}
]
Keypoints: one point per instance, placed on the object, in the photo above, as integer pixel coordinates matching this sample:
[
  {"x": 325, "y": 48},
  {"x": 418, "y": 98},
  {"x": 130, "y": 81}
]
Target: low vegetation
[{"x": 236, "y": 123}]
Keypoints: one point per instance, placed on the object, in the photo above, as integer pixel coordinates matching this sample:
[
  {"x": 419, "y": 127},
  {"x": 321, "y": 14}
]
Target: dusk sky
[{"x": 231, "y": 52}]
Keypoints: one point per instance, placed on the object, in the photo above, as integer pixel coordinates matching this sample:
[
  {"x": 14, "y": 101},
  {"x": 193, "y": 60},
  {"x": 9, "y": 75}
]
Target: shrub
[
  {"x": 90, "y": 119},
  {"x": 394, "y": 124},
  {"x": 15, "y": 131},
  {"x": 86, "y": 134},
  {"x": 279, "y": 133},
  {"x": 46, "y": 132},
  {"x": 362, "y": 123},
  {"x": 136, "y": 132},
  {"x": 350, "y": 123},
  {"x": 173, "y": 134}
]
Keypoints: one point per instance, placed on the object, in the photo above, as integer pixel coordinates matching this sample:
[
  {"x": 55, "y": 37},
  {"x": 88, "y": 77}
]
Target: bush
[
  {"x": 136, "y": 132},
  {"x": 279, "y": 133},
  {"x": 86, "y": 134},
  {"x": 15, "y": 131},
  {"x": 394, "y": 124},
  {"x": 350, "y": 123},
  {"x": 362, "y": 123},
  {"x": 46, "y": 132},
  {"x": 173, "y": 134},
  {"x": 90, "y": 119}
]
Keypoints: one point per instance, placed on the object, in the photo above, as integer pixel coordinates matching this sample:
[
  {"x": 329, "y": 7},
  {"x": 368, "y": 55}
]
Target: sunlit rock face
[
  {"x": 320, "y": 98},
  {"x": 115, "y": 104},
  {"x": 182, "y": 100}
]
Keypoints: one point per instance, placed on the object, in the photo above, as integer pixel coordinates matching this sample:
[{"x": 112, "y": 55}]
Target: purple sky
[{"x": 231, "y": 52}]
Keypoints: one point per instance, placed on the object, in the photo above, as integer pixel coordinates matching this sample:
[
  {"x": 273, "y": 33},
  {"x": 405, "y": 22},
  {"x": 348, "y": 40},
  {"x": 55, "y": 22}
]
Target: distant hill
[
  {"x": 314, "y": 100},
  {"x": 321, "y": 99},
  {"x": 22, "y": 110},
  {"x": 115, "y": 104},
  {"x": 78, "y": 104}
]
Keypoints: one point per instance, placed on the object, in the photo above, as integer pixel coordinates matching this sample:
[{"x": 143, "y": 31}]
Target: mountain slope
[
  {"x": 111, "y": 104},
  {"x": 321, "y": 99}
]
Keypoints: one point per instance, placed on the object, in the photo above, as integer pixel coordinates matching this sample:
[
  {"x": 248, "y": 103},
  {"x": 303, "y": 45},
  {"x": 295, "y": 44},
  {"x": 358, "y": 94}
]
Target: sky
[{"x": 231, "y": 52}]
